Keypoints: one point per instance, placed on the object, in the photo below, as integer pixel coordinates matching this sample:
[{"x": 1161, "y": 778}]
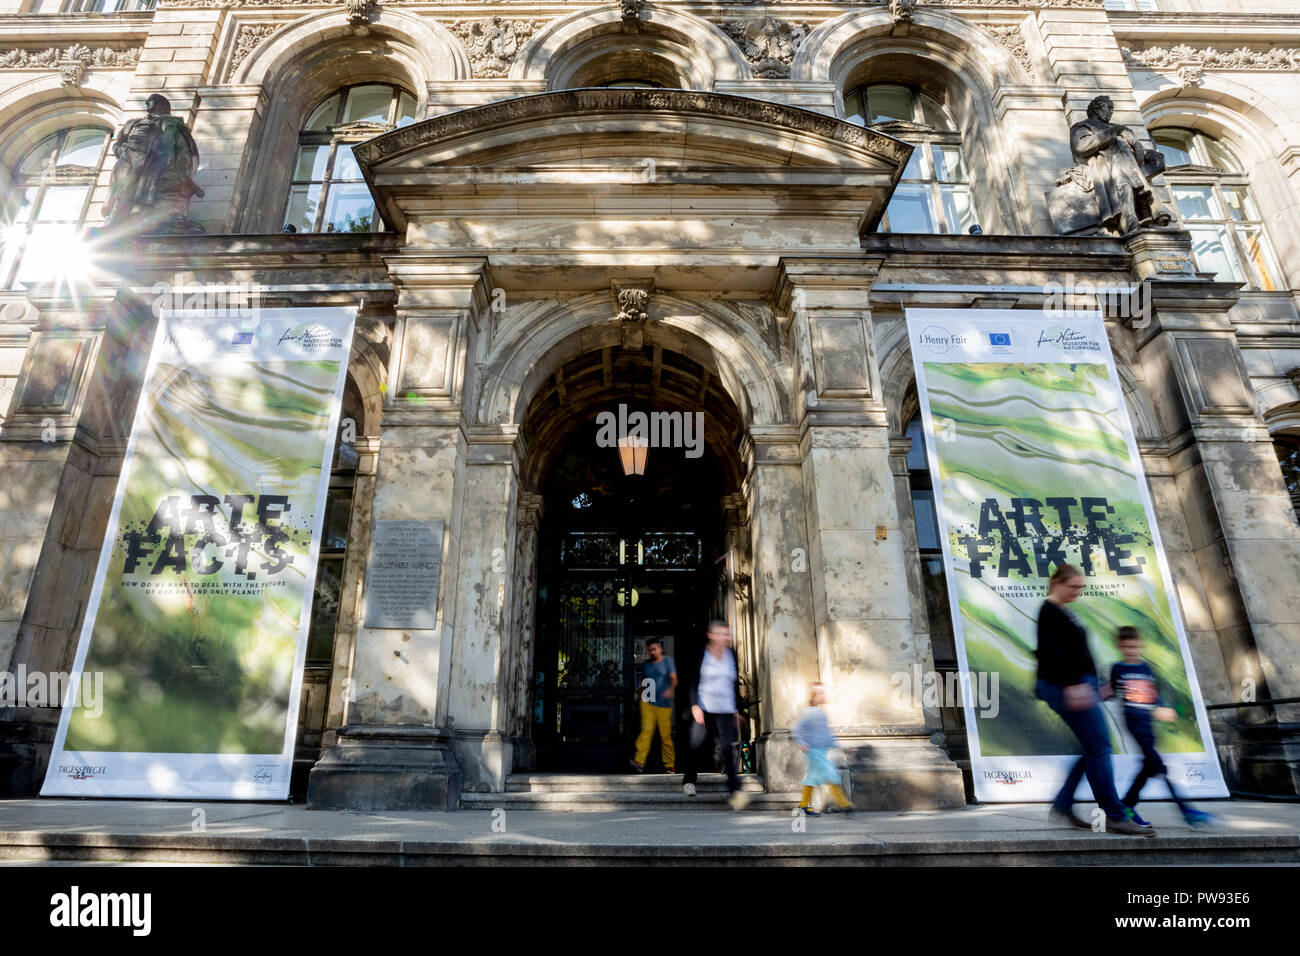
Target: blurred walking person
[
  {"x": 1067, "y": 683},
  {"x": 656, "y": 695},
  {"x": 714, "y": 716},
  {"x": 813, "y": 735}
]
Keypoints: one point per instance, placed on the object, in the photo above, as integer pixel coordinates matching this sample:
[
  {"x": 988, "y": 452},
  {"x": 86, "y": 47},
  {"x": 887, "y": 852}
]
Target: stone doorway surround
[{"x": 524, "y": 220}]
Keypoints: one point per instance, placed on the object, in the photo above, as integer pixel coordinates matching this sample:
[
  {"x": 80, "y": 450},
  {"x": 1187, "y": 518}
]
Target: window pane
[
  {"x": 913, "y": 168},
  {"x": 889, "y": 102},
  {"x": 36, "y": 161},
  {"x": 1211, "y": 247},
  {"x": 368, "y": 104},
  {"x": 936, "y": 607},
  {"x": 350, "y": 209},
  {"x": 345, "y": 164},
  {"x": 927, "y": 522},
  {"x": 1288, "y": 456},
  {"x": 1175, "y": 145},
  {"x": 338, "y": 512},
  {"x": 933, "y": 114},
  {"x": 1197, "y": 202},
  {"x": 1220, "y": 158},
  {"x": 63, "y": 203},
  {"x": 853, "y": 107},
  {"x": 303, "y": 203},
  {"x": 405, "y": 109},
  {"x": 1255, "y": 247},
  {"x": 324, "y": 115},
  {"x": 82, "y": 147},
  {"x": 916, "y": 453},
  {"x": 957, "y": 210},
  {"x": 311, "y": 163},
  {"x": 948, "y": 164},
  {"x": 46, "y": 252},
  {"x": 909, "y": 210},
  {"x": 1240, "y": 206},
  {"x": 324, "y": 610},
  {"x": 26, "y": 203}
]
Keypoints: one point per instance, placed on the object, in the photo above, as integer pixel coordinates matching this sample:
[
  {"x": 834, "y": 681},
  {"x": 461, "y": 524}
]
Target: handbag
[{"x": 699, "y": 734}]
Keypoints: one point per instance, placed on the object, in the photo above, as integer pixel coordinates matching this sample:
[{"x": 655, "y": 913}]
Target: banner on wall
[
  {"x": 1035, "y": 464},
  {"x": 196, "y": 630}
]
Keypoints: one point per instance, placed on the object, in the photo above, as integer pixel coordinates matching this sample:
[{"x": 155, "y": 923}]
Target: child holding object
[
  {"x": 1133, "y": 682},
  {"x": 813, "y": 735}
]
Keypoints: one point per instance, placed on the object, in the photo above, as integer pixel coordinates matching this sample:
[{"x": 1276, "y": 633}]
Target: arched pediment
[{"x": 655, "y": 144}]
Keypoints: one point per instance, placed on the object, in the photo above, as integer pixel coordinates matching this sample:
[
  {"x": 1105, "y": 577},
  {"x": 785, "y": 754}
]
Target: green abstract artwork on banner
[
  {"x": 1035, "y": 471},
  {"x": 205, "y": 591}
]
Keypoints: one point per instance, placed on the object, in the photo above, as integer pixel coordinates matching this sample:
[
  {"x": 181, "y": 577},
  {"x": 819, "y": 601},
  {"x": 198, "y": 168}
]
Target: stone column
[
  {"x": 528, "y": 519},
  {"x": 786, "y": 647},
  {"x": 395, "y": 751},
  {"x": 856, "y": 548},
  {"x": 61, "y": 451},
  {"x": 479, "y": 692},
  {"x": 1241, "y": 524}
]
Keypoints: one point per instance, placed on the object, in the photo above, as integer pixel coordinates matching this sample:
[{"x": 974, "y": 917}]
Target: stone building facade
[{"x": 740, "y": 169}]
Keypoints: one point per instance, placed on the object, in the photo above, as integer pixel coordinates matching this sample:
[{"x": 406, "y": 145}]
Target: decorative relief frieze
[
  {"x": 769, "y": 44},
  {"x": 1195, "y": 60},
  {"x": 71, "y": 62},
  {"x": 492, "y": 43},
  {"x": 630, "y": 12},
  {"x": 1013, "y": 38},
  {"x": 246, "y": 40}
]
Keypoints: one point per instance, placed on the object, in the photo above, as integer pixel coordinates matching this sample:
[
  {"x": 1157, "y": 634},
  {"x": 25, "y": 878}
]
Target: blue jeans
[
  {"x": 1089, "y": 726},
  {"x": 1139, "y": 725}
]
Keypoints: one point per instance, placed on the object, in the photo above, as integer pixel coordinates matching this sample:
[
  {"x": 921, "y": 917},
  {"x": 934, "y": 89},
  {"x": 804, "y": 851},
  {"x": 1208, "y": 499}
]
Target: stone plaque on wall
[{"x": 402, "y": 579}]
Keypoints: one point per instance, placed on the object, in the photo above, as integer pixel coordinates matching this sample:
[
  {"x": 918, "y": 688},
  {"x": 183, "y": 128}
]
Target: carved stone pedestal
[{"x": 386, "y": 768}]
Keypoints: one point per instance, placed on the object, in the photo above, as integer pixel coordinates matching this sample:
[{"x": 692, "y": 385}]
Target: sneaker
[
  {"x": 1057, "y": 815},
  {"x": 849, "y": 809},
  {"x": 688, "y": 789},
  {"x": 670, "y": 770},
  {"x": 636, "y": 767},
  {"x": 1133, "y": 815},
  {"x": 1199, "y": 818},
  {"x": 739, "y": 800},
  {"x": 1126, "y": 826},
  {"x": 809, "y": 812}
]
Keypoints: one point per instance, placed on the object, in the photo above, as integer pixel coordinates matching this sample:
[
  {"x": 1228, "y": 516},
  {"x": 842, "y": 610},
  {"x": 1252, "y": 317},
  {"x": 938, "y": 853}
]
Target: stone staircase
[{"x": 586, "y": 791}]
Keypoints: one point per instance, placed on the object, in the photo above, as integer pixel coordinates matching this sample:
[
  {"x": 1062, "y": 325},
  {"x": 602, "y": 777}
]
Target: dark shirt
[
  {"x": 1136, "y": 686},
  {"x": 1062, "y": 652}
]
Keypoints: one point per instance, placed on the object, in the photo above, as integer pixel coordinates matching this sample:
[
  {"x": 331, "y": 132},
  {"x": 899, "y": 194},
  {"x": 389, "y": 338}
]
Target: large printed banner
[
  {"x": 1034, "y": 465},
  {"x": 198, "y": 617}
]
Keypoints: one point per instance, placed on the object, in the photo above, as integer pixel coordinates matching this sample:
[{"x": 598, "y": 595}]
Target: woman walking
[
  {"x": 1067, "y": 683},
  {"x": 713, "y": 709}
]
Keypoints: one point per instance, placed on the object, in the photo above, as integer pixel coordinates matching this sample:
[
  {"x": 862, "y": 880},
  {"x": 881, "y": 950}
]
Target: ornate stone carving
[
  {"x": 1109, "y": 189},
  {"x": 631, "y": 13},
  {"x": 902, "y": 10},
  {"x": 62, "y": 60},
  {"x": 769, "y": 44},
  {"x": 246, "y": 41},
  {"x": 1294, "y": 376},
  {"x": 1193, "y": 74},
  {"x": 359, "y": 12},
  {"x": 1208, "y": 58},
  {"x": 632, "y": 302},
  {"x": 1013, "y": 38},
  {"x": 152, "y": 183},
  {"x": 492, "y": 43},
  {"x": 72, "y": 65}
]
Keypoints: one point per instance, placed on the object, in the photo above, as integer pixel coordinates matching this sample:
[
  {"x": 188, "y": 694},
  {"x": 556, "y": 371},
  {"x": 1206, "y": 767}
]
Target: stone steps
[{"x": 604, "y": 792}]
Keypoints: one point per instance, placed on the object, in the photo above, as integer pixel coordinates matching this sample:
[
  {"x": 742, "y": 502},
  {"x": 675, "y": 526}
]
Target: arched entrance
[{"x": 633, "y": 542}]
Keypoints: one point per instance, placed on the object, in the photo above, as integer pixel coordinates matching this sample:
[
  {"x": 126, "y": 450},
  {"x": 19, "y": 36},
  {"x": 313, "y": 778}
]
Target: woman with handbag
[{"x": 713, "y": 709}]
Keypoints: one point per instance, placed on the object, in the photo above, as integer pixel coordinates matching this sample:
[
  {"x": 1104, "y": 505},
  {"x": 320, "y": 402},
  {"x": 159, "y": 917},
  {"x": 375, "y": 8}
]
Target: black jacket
[{"x": 1062, "y": 652}]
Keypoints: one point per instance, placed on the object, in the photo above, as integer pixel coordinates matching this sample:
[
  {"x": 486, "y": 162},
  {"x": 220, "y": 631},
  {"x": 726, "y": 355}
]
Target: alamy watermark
[
  {"x": 1121, "y": 302},
  {"x": 651, "y": 430},
  {"x": 25, "y": 688},
  {"x": 947, "y": 689}
]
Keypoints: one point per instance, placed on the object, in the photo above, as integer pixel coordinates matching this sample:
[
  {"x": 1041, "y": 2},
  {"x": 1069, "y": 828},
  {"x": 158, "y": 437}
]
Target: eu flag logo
[
  {"x": 242, "y": 338},
  {"x": 1000, "y": 339}
]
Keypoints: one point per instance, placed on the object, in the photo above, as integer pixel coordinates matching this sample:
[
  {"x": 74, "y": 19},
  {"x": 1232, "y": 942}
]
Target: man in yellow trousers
[{"x": 656, "y": 694}]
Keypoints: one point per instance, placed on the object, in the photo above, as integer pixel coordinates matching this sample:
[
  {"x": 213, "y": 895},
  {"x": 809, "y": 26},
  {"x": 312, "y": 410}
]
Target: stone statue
[
  {"x": 1110, "y": 189},
  {"x": 152, "y": 183}
]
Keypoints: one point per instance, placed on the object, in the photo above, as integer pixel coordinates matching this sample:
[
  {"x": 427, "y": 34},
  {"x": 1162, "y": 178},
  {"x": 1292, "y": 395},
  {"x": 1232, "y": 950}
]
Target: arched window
[
  {"x": 1288, "y": 456},
  {"x": 328, "y": 193},
  {"x": 1213, "y": 201},
  {"x": 48, "y": 205},
  {"x": 934, "y": 192}
]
